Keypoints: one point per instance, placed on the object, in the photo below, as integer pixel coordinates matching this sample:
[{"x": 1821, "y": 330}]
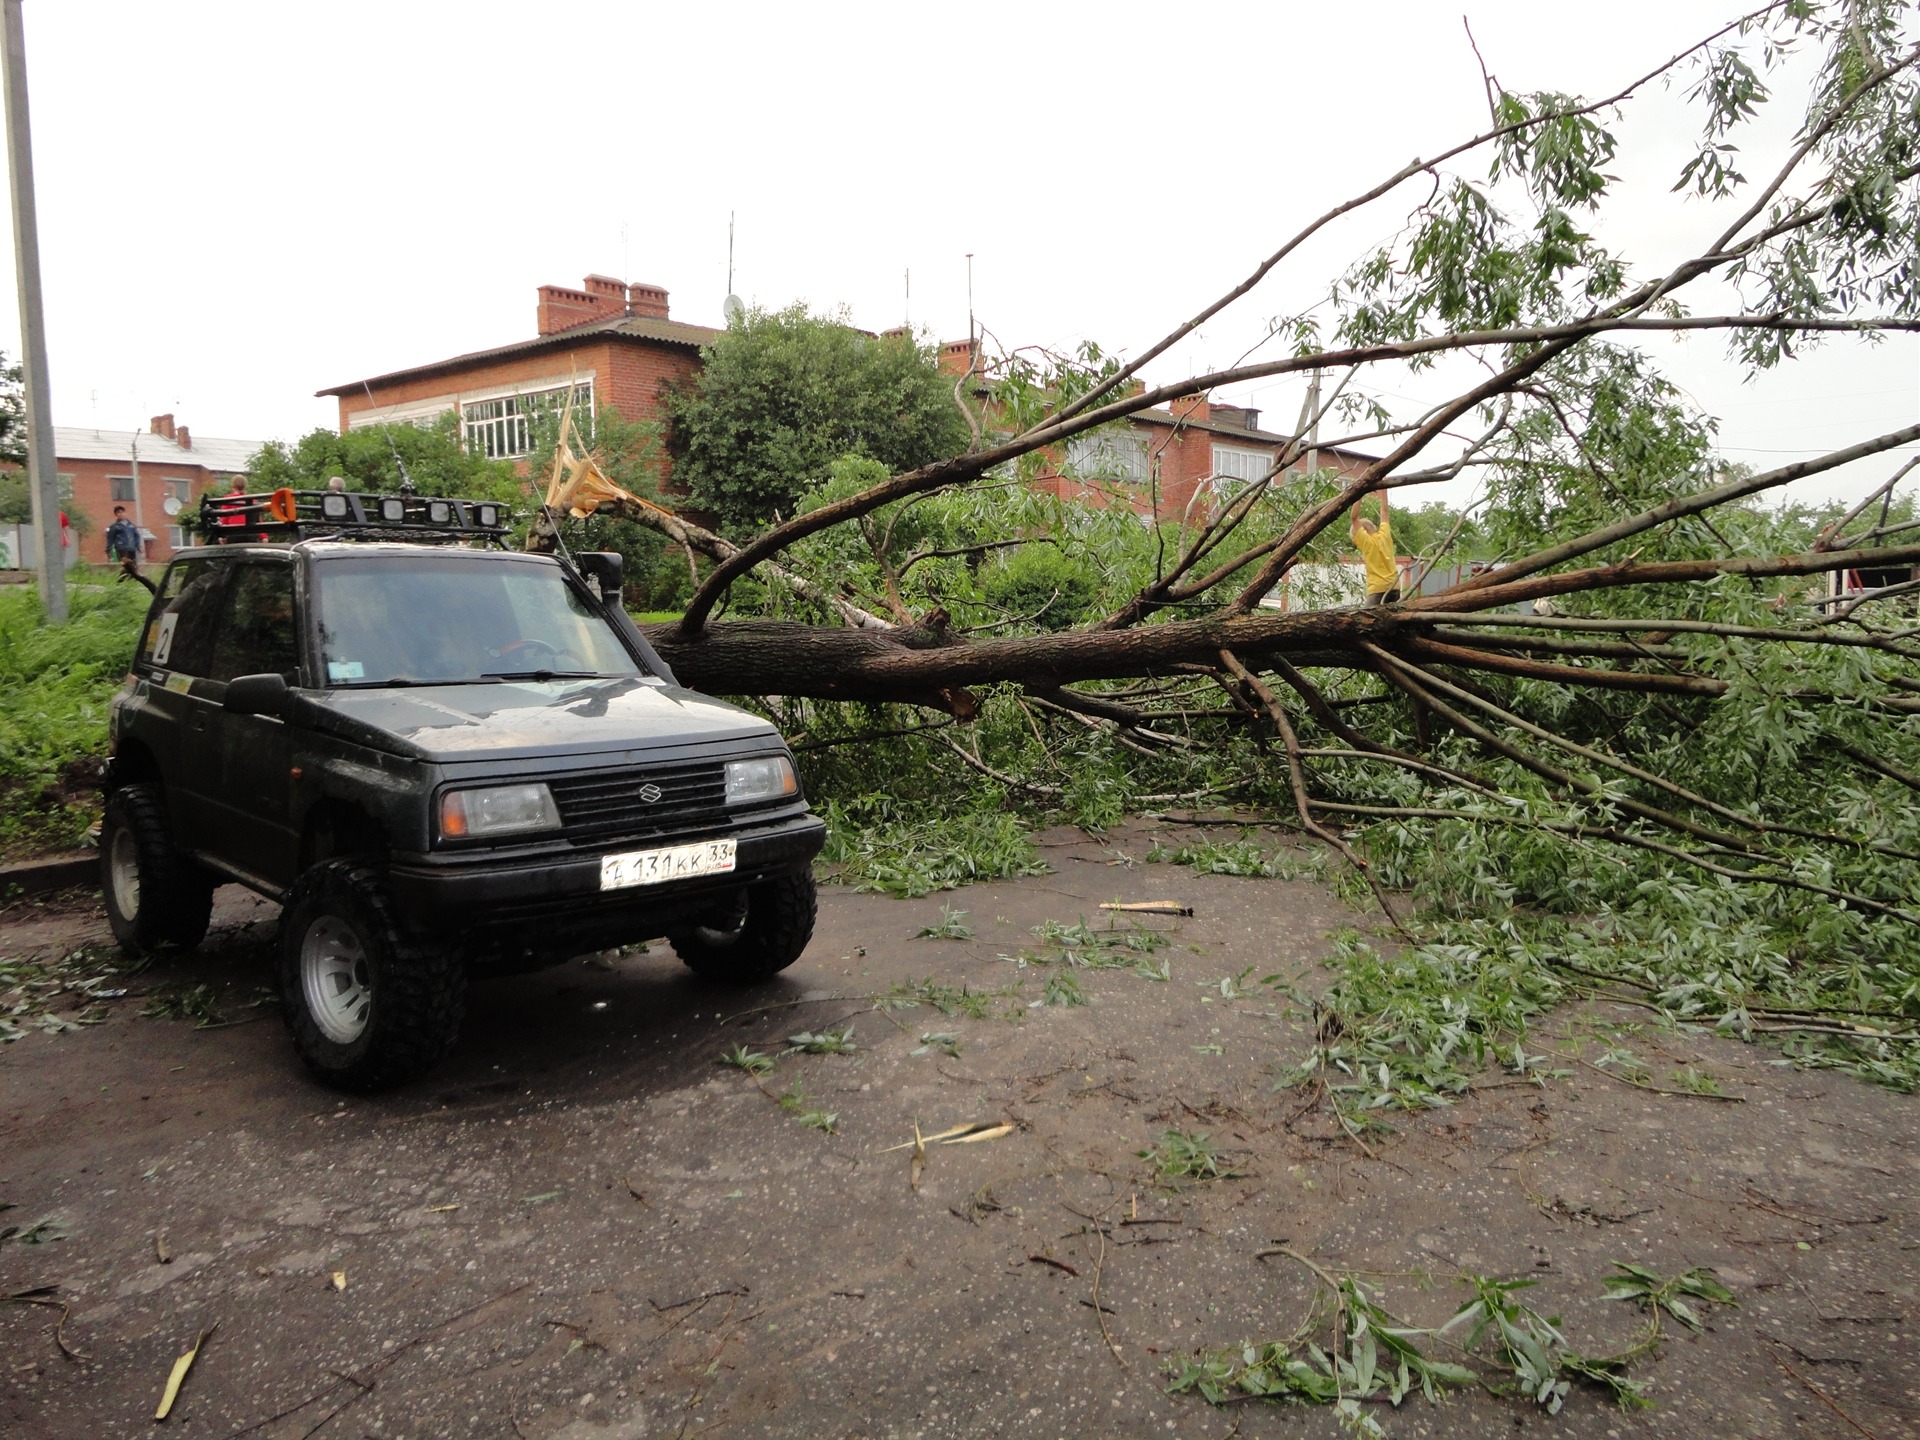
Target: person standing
[
  {"x": 1375, "y": 544},
  {"x": 123, "y": 540}
]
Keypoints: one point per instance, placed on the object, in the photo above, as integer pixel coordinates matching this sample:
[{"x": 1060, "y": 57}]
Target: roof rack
[{"x": 287, "y": 516}]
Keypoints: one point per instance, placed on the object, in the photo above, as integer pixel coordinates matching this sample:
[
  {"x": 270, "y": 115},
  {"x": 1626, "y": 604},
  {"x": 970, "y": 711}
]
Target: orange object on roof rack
[{"x": 287, "y": 516}]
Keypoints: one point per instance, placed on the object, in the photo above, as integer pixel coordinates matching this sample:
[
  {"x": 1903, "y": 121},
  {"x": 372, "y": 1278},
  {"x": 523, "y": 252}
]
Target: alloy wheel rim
[
  {"x": 123, "y": 863},
  {"x": 334, "y": 978}
]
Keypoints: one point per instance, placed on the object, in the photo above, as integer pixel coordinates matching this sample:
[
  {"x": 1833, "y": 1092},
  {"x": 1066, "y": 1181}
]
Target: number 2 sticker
[{"x": 163, "y": 642}]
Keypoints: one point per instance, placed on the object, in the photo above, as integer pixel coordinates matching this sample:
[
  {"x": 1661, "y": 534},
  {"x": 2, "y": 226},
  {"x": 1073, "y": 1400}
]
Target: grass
[
  {"x": 55, "y": 682},
  {"x": 751, "y": 1061},
  {"x": 1237, "y": 857},
  {"x": 1180, "y": 1155},
  {"x": 949, "y": 999},
  {"x": 880, "y": 845},
  {"x": 59, "y": 993},
  {"x": 952, "y": 925},
  {"x": 1500, "y": 1343},
  {"x": 829, "y": 1042}
]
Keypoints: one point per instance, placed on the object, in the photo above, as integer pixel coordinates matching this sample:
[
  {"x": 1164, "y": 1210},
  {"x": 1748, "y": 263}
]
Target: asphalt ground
[{"x": 582, "y": 1226}]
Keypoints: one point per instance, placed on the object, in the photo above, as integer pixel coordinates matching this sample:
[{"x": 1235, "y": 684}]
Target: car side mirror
[
  {"x": 258, "y": 695},
  {"x": 605, "y": 568}
]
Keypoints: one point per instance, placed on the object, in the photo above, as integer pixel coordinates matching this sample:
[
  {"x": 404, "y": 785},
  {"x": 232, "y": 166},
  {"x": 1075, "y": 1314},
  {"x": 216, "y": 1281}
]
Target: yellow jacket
[{"x": 1383, "y": 564}]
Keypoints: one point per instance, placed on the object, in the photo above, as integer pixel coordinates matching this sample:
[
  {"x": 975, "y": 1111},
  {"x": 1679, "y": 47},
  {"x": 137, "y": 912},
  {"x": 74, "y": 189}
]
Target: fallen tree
[{"x": 1647, "y": 667}]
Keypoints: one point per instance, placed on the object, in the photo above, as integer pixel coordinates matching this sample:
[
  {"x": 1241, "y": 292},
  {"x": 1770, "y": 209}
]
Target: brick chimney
[
  {"x": 161, "y": 425},
  {"x": 562, "y": 308},
  {"x": 183, "y": 438},
  {"x": 647, "y": 300},
  {"x": 1192, "y": 407},
  {"x": 956, "y": 356},
  {"x": 606, "y": 290}
]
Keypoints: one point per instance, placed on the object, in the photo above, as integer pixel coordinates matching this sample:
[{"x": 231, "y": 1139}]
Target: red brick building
[
  {"x": 610, "y": 344},
  {"x": 154, "y": 473},
  {"x": 1180, "y": 462},
  {"x": 1183, "y": 461},
  {"x": 615, "y": 345}
]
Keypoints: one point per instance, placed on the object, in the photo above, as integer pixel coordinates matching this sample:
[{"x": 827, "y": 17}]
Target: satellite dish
[
  {"x": 171, "y": 505},
  {"x": 733, "y": 309}
]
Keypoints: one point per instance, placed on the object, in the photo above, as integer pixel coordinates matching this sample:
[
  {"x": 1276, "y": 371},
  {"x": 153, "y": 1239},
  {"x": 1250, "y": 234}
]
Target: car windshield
[{"x": 454, "y": 619}]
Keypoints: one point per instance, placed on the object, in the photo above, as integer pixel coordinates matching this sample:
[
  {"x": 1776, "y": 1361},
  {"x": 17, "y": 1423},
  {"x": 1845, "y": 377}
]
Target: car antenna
[{"x": 406, "y": 480}]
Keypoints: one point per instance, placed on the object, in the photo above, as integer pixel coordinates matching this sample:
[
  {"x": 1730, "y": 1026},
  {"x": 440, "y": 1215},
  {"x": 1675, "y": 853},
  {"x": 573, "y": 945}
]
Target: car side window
[
  {"x": 256, "y": 634},
  {"x": 180, "y": 634}
]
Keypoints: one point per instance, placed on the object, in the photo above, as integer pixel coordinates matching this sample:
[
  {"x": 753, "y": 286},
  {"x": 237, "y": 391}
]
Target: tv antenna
[
  {"x": 731, "y": 307},
  {"x": 969, "y": 302}
]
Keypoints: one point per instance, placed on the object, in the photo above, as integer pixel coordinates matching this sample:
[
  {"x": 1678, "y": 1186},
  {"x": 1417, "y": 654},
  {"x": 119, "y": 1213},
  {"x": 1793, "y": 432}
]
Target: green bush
[
  {"x": 1039, "y": 584},
  {"x": 55, "y": 682}
]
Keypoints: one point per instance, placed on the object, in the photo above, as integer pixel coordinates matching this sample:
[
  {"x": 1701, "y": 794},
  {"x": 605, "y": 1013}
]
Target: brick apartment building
[
  {"x": 1185, "y": 460},
  {"x": 143, "y": 470},
  {"x": 612, "y": 344}
]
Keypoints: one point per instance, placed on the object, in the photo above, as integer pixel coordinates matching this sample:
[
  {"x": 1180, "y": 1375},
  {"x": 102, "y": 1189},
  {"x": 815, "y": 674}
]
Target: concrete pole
[{"x": 43, "y": 479}]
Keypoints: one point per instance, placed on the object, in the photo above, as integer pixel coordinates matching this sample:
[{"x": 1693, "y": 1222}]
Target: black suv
[{"x": 443, "y": 761}]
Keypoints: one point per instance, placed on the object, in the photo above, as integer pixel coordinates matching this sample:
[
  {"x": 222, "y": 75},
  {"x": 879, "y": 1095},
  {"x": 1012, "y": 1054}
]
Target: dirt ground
[{"x": 582, "y": 1226}]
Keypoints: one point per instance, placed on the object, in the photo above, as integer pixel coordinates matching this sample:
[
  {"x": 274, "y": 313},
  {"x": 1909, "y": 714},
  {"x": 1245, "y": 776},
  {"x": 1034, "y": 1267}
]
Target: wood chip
[
  {"x": 180, "y": 1368},
  {"x": 1149, "y": 907},
  {"x": 992, "y": 1132}
]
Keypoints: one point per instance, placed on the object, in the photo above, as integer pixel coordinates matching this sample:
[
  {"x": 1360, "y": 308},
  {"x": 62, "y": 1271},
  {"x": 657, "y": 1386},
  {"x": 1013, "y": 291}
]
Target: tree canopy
[
  {"x": 783, "y": 394},
  {"x": 373, "y": 459}
]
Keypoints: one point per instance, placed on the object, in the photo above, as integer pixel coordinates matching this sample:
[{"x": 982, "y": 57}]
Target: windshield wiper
[
  {"x": 396, "y": 681},
  {"x": 543, "y": 675}
]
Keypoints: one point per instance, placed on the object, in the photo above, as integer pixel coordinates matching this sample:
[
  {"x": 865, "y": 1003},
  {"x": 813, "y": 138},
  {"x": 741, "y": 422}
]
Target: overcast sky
[{"x": 243, "y": 203}]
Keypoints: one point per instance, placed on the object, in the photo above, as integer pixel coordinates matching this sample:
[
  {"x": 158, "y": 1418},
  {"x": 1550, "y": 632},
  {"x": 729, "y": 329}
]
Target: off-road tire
[
  {"x": 170, "y": 899},
  {"x": 417, "y": 990},
  {"x": 768, "y": 936}
]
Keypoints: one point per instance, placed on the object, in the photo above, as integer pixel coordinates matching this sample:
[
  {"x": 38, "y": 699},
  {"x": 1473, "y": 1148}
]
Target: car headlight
[
  {"x": 497, "y": 810},
  {"x": 769, "y": 777}
]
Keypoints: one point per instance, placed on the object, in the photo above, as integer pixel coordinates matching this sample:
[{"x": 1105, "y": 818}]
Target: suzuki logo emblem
[{"x": 649, "y": 793}]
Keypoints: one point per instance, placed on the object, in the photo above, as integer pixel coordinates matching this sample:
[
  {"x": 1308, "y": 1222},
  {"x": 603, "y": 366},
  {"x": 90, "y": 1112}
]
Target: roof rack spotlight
[{"x": 285, "y": 516}]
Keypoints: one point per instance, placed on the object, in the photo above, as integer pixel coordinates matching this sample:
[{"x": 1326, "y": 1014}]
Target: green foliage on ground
[
  {"x": 55, "y": 682},
  {"x": 1497, "y": 1341},
  {"x": 879, "y": 845},
  {"x": 783, "y": 394}
]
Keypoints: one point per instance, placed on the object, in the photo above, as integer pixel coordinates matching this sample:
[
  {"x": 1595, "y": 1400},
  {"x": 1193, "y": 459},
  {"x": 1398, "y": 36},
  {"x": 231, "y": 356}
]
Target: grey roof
[
  {"x": 210, "y": 452},
  {"x": 619, "y": 327}
]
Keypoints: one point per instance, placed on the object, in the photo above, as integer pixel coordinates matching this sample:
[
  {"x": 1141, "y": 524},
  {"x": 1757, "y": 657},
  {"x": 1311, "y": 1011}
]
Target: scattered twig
[{"x": 1822, "y": 1396}]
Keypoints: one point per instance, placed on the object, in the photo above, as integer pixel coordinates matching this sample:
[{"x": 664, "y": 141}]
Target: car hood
[{"x": 517, "y": 719}]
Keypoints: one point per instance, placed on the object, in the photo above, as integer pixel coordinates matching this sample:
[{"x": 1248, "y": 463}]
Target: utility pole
[{"x": 43, "y": 480}]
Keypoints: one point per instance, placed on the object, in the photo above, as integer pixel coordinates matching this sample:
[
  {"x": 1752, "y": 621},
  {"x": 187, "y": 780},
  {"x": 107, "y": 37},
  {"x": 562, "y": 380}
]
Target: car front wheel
[
  {"x": 370, "y": 1005},
  {"x": 761, "y": 936}
]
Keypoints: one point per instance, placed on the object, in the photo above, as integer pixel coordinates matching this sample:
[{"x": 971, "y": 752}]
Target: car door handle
[{"x": 199, "y": 722}]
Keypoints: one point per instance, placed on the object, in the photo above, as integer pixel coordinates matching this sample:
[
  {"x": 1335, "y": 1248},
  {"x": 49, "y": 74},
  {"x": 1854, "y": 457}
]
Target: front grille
[{"x": 609, "y": 804}]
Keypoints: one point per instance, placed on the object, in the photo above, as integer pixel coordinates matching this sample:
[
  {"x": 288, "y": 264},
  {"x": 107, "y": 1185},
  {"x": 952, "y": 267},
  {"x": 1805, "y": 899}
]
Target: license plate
[{"x": 676, "y": 862}]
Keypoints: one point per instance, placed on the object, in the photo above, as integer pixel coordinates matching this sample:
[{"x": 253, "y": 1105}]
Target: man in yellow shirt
[{"x": 1375, "y": 544}]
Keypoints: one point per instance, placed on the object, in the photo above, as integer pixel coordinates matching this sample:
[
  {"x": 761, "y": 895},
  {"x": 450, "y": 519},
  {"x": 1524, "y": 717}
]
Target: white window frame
[
  {"x": 1112, "y": 455},
  {"x": 114, "y": 482},
  {"x": 422, "y": 415},
  {"x": 176, "y": 538},
  {"x": 501, "y": 428},
  {"x": 1239, "y": 464}
]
